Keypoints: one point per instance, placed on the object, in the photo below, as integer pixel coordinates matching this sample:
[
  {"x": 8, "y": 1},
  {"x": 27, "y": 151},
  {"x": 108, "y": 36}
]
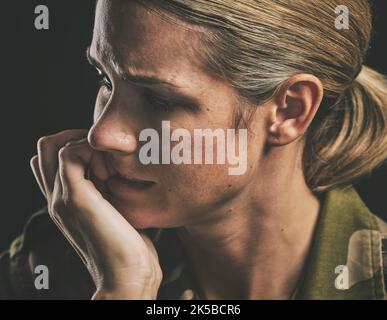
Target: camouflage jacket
[{"x": 348, "y": 259}]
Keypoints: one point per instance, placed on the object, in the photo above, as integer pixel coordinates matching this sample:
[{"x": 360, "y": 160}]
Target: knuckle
[
  {"x": 64, "y": 152},
  {"x": 42, "y": 142},
  {"x": 70, "y": 144},
  {"x": 33, "y": 160},
  {"x": 75, "y": 144}
]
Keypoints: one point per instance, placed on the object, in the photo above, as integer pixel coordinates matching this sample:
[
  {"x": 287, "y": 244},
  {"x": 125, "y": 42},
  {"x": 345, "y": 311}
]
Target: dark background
[{"x": 47, "y": 86}]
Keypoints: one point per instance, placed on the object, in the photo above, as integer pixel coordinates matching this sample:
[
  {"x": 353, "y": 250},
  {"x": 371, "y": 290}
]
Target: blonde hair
[{"x": 257, "y": 45}]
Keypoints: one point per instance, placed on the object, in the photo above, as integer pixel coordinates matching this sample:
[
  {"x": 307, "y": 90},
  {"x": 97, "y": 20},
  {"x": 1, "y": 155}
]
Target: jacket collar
[{"x": 347, "y": 238}]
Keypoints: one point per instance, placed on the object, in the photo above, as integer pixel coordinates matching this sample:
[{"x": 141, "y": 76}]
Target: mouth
[
  {"x": 123, "y": 186},
  {"x": 119, "y": 184},
  {"x": 134, "y": 181}
]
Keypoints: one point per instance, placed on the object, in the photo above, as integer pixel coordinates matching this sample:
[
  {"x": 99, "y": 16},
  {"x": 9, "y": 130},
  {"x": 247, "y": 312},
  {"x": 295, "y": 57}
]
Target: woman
[{"x": 289, "y": 227}]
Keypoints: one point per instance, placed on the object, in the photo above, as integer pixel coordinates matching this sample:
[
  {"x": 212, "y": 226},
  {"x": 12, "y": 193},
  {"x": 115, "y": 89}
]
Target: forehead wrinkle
[
  {"x": 121, "y": 61},
  {"x": 116, "y": 59},
  {"x": 158, "y": 9},
  {"x": 150, "y": 17}
]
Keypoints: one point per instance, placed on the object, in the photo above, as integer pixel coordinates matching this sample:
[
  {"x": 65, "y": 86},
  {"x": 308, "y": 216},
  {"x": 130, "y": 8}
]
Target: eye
[
  {"x": 160, "y": 102},
  {"x": 104, "y": 81}
]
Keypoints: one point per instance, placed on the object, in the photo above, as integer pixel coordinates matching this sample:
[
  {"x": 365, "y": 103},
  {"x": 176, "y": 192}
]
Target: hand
[{"x": 122, "y": 261}]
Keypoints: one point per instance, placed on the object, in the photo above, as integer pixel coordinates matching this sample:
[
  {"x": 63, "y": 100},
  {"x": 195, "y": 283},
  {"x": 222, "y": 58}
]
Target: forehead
[{"x": 132, "y": 36}]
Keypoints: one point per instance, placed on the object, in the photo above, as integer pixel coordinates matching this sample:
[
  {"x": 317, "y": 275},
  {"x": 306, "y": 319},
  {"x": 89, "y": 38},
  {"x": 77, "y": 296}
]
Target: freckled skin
[
  {"x": 143, "y": 42},
  {"x": 236, "y": 231}
]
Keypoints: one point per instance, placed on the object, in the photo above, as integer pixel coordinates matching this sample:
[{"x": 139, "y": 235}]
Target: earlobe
[{"x": 294, "y": 109}]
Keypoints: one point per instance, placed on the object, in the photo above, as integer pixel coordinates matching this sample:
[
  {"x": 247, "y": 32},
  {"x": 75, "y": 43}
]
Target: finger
[
  {"x": 74, "y": 160},
  {"x": 59, "y": 222},
  {"x": 98, "y": 167},
  {"x": 90, "y": 205},
  {"x": 98, "y": 173},
  {"x": 34, "y": 163},
  {"x": 48, "y": 148},
  {"x": 83, "y": 194}
]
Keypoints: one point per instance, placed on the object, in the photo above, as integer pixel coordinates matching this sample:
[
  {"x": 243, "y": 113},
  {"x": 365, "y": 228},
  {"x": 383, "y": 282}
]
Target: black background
[{"x": 47, "y": 86}]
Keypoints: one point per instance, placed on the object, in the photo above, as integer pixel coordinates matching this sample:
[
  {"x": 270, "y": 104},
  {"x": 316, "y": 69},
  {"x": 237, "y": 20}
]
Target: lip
[
  {"x": 114, "y": 169},
  {"x": 121, "y": 186},
  {"x": 120, "y": 183}
]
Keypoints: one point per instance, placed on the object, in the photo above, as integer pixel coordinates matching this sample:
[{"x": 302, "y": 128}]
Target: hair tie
[{"x": 358, "y": 73}]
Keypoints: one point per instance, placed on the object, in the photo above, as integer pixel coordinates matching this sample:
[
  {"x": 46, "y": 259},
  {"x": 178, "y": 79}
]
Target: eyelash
[
  {"x": 151, "y": 98},
  {"x": 104, "y": 81}
]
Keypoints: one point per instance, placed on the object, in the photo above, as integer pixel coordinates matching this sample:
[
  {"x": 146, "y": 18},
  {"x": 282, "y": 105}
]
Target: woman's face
[{"x": 153, "y": 73}]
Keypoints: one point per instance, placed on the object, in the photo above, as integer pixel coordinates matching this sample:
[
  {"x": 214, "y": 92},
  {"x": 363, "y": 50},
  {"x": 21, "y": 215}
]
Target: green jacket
[{"x": 347, "y": 235}]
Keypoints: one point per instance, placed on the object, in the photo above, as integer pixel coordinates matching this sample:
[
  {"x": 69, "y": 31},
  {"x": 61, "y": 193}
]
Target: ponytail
[{"x": 351, "y": 139}]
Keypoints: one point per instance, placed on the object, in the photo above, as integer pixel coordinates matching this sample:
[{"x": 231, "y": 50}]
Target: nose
[{"x": 110, "y": 134}]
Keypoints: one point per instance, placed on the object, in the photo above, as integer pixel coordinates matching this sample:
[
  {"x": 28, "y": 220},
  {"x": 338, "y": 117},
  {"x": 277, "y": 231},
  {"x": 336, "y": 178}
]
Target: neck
[{"x": 256, "y": 247}]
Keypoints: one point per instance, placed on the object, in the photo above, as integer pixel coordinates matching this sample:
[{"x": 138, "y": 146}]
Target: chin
[{"x": 140, "y": 217}]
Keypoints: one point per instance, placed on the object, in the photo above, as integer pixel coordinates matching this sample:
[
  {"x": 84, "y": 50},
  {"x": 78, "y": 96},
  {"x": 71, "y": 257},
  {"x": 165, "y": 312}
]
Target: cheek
[
  {"x": 202, "y": 188},
  {"x": 205, "y": 183}
]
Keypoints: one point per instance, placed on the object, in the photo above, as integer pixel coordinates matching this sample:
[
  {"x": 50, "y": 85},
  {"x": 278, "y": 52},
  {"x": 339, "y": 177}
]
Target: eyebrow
[
  {"x": 140, "y": 80},
  {"x": 134, "y": 79}
]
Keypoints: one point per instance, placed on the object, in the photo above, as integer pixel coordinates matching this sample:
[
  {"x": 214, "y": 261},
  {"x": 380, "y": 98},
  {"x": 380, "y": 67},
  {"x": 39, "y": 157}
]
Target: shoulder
[
  {"x": 42, "y": 244},
  {"x": 347, "y": 260}
]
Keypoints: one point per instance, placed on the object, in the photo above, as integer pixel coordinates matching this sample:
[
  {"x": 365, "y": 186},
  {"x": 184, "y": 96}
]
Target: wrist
[
  {"x": 132, "y": 293},
  {"x": 139, "y": 289}
]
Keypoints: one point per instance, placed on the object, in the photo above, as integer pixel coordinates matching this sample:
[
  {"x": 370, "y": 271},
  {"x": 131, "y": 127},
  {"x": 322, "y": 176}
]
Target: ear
[{"x": 294, "y": 108}]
